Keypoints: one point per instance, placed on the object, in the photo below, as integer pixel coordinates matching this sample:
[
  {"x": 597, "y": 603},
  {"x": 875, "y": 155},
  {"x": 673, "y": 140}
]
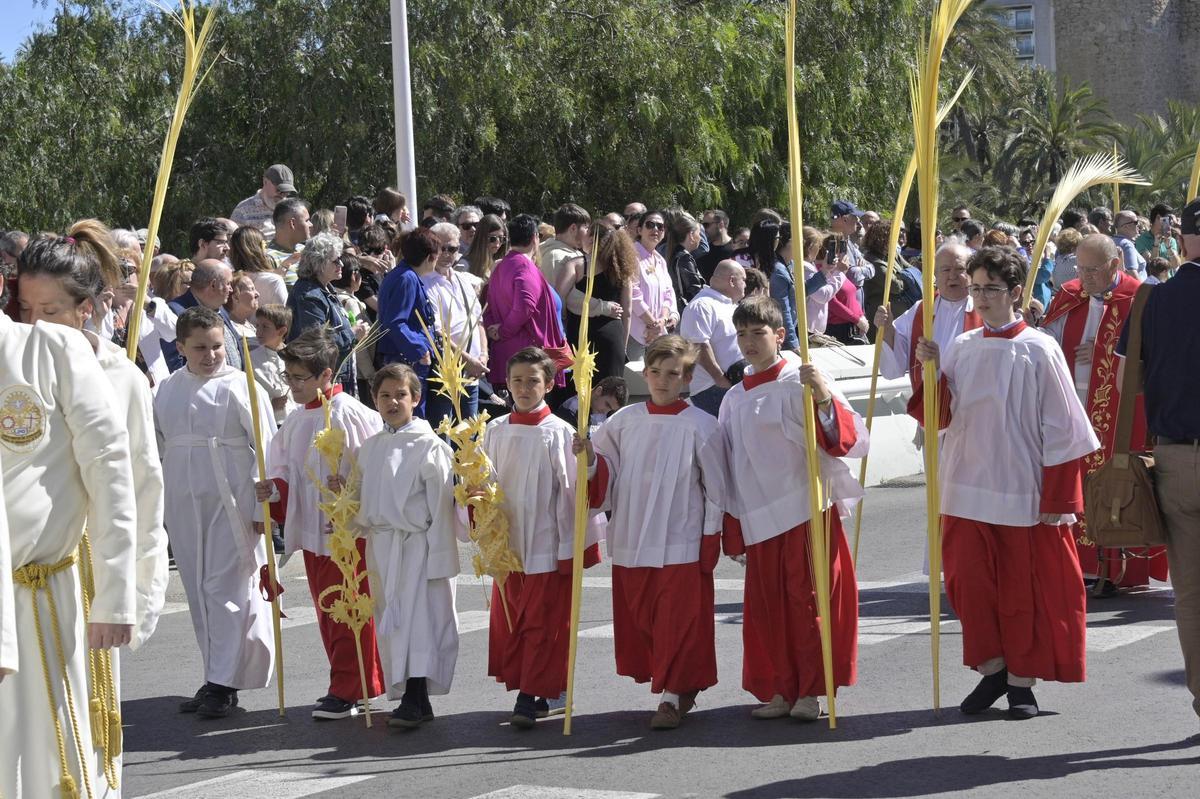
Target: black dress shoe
[
  {"x": 193, "y": 704},
  {"x": 990, "y": 688},
  {"x": 217, "y": 703},
  {"x": 1021, "y": 704}
]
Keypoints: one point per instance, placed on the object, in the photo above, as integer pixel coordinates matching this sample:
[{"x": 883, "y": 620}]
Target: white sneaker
[
  {"x": 777, "y": 708},
  {"x": 807, "y": 708}
]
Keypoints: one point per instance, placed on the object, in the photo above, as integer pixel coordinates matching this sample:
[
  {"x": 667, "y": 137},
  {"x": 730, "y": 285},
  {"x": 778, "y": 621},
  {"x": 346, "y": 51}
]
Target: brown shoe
[
  {"x": 666, "y": 718},
  {"x": 687, "y": 701}
]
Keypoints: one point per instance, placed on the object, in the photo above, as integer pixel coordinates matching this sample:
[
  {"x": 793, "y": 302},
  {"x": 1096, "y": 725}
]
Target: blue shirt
[
  {"x": 1134, "y": 263},
  {"x": 403, "y": 303},
  {"x": 1171, "y": 355}
]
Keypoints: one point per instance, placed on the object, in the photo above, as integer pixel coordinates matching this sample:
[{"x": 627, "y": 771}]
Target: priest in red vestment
[{"x": 1086, "y": 317}]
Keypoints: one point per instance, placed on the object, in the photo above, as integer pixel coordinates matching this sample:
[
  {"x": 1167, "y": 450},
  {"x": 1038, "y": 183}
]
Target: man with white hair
[
  {"x": 707, "y": 322},
  {"x": 953, "y": 315},
  {"x": 1086, "y": 318},
  {"x": 455, "y": 298}
]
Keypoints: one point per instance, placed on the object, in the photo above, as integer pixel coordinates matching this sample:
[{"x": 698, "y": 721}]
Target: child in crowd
[
  {"x": 311, "y": 362},
  {"x": 531, "y": 454},
  {"x": 407, "y": 514},
  {"x": 1011, "y": 483},
  {"x": 659, "y": 467},
  {"x": 763, "y": 421},
  {"x": 608, "y": 396},
  {"x": 204, "y": 422},
  {"x": 271, "y": 326}
]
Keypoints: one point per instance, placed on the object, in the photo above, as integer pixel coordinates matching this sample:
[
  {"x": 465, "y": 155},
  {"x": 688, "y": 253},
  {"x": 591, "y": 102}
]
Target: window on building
[{"x": 1019, "y": 20}]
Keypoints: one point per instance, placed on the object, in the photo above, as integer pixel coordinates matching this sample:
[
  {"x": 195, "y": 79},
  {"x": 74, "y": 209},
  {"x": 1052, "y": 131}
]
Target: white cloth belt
[{"x": 213, "y": 444}]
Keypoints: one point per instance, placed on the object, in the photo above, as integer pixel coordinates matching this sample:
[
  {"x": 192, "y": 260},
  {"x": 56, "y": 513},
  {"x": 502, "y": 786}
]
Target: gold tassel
[{"x": 68, "y": 787}]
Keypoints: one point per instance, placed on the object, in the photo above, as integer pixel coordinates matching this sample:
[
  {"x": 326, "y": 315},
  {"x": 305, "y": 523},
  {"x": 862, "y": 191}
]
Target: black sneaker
[
  {"x": 193, "y": 704},
  {"x": 524, "y": 714},
  {"x": 217, "y": 702},
  {"x": 541, "y": 707},
  {"x": 990, "y": 688},
  {"x": 426, "y": 709},
  {"x": 408, "y": 715},
  {"x": 1021, "y": 704},
  {"x": 330, "y": 707},
  {"x": 278, "y": 543}
]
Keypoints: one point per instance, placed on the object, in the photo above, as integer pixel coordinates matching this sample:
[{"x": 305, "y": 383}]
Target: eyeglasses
[
  {"x": 468, "y": 225},
  {"x": 654, "y": 225},
  {"x": 987, "y": 291},
  {"x": 496, "y": 239},
  {"x": 296, "y": 379},
  {"x": 449, "y": 248}
]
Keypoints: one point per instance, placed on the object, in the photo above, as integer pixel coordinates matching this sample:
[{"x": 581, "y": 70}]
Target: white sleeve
[
  {"x": 714, "y": 477},
  {"x": 438, "y": 480},
  {"x": 151, "y": 556},
  {"x": 606, "y": 445},
  {"x": 893, "y": 360},
  {"x": 696, "y": 325},
  {"x": 1066, "y": 430},
  {"x": 101, "y": 449},
  {"x": 8, "y": 616}
]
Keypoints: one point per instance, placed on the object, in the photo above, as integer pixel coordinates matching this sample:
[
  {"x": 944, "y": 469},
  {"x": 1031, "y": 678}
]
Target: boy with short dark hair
[
  {"x": 609, "y": 395},
  {"x": 1010, "y": 474},
  {"x": 271, "y": 326},
  {"x": 531, "y": 456},
  {"x": 311, "y": 362},
  {"x": 769, "y": 513},
  {"x": 204, "y": 419},
  {"x": 406, "y": 513},
  {"x": 659, "y": 467}
]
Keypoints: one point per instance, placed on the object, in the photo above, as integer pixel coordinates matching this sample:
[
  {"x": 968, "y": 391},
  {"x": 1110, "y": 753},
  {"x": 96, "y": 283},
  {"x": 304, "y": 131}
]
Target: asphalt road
[{"x": 1128, "y": 731}]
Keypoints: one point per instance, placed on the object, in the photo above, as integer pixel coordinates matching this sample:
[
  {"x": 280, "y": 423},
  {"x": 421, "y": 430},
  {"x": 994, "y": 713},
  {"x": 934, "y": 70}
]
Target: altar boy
[{"x": 1010, "y": 475}]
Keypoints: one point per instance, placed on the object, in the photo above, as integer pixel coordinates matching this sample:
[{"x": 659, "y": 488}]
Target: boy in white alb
[
  {"x": 204, "y": 423},
  {"x": 769, "y": 511},
  {"x": 1010, "y": 475},
  {"x": 311, "y": 361},
  {"x": 659, "y": 466},
  {"x": 271, "y": 324},
  {"x": 530, "y": 450},
  {"x": 407, "y": 516}
]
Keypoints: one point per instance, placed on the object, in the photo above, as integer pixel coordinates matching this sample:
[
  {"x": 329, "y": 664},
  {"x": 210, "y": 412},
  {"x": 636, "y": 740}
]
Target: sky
[{"x": 20, "y": 18}]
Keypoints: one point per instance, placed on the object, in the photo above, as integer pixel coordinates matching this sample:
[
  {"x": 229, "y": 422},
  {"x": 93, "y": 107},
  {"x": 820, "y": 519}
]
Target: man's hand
[
  {"x": 473, "y": 366},
  {"x": 579, "y": 445},
  {"x": 108, "y": 636},
  {"x": 861, "y": 325},
  {"x": 1083, "y": 353},
  {"x": 927, "y": 351},
  {"x": 263, "y": 490},
  {"x": 883, "y": 317},
  {"x": 812, "y": 377},
  {"x": 493, "y": 332}
]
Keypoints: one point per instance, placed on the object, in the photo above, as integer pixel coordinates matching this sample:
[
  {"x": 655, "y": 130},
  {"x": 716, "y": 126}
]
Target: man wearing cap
[
  {"x": 256, "y": 210},
  {"x": 1125, "y": 230},
  {"x": 1085, "y": 318},
  {"x": 845, "y": 222},
  {"x": 1170, "y": 352}
]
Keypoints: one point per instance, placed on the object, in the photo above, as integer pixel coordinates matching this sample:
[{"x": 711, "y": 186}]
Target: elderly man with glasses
[
  {"x": 1125, "y": 233},
  {"x": 1086, "y": 317}
]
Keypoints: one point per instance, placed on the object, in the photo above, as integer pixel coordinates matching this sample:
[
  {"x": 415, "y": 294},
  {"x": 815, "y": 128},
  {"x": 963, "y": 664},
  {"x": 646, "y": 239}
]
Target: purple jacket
[{"x": 521, "y": 301}]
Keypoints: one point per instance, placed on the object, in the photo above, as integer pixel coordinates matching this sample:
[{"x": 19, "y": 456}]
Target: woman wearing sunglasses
[{"x": 654, "y": 309}]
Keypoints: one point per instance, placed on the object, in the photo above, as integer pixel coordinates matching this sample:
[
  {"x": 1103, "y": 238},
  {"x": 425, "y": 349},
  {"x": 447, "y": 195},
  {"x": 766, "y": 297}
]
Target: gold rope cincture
[
  {"x": 35, "y": 577},
  {"x": 104, "y": 710}
]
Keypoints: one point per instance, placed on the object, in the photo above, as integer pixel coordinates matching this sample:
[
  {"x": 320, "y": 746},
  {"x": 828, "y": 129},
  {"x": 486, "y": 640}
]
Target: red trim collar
[
  {"x": 678, "y": 406},
  {"x": 533, "y": 418},
  {"x": 1010, "y": 332},
  {"x": 758, "y": 378},
  {"x": 332, "y": 392}
]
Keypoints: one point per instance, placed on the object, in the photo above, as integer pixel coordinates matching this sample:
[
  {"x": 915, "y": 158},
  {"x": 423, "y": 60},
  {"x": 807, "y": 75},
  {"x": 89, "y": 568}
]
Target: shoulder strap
[{"x": 1133, "y": 373}]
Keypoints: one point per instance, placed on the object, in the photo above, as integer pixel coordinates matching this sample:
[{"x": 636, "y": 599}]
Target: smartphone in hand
[{"x": 339, "y": 218}]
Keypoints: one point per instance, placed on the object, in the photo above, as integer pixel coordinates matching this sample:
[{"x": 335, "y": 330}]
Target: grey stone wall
[{"x": 1136, "y": 54}]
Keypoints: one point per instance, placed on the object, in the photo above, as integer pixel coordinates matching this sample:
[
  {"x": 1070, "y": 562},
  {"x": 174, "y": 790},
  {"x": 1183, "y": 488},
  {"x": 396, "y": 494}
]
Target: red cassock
[
  {"x": 1070, "y": 305},
  {"x": 781, "y": 626}
]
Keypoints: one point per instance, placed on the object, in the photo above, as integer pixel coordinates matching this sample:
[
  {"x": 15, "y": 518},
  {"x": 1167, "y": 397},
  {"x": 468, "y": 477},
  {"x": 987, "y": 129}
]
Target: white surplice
[
  {"x": 407, "y": 515},
  {"x": 535, "y": 468},
  {"x": 8, "y": 615},
  {"x": 207, "y": 436},
  {"x": 666, "y": 484},
  {"x": 65, "y": 457},
  {"x": 895, "y": 359},
  {"x": 293, "y": 459},
  {"x": 764, "y": 440},
  {"x": 1014, "y": 411}
]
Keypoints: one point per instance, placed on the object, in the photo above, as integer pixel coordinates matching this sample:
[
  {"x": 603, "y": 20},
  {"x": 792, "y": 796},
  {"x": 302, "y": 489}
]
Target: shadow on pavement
[{"x": 926, "y": 776}]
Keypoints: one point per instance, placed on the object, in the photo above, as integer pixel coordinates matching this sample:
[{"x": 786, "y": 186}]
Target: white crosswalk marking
[
  {"x": 275, "y": 784},
  {"x": 543, "y": 792},
  {"x": 1106, "y": 639}
]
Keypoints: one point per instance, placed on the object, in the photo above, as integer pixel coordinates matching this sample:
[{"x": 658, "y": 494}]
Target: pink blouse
[{"x": 652, "y": 292}]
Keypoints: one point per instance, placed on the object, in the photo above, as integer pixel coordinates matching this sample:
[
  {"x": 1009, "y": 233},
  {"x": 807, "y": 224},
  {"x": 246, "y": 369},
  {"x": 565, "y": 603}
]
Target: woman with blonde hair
[{"x": 248, "y": 254}]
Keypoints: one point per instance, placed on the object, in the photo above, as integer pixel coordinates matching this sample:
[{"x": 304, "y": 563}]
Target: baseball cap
[
  {"x": 281, "y": 176},
  {"x": 843, "y": 207},
  {"x": 1189, "y": 218}
]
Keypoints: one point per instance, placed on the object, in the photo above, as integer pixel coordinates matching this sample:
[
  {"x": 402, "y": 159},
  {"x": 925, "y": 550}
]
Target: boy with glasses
[
  {"x": 1010, "y": 472},
  {"x": 310, "y": 364}
]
